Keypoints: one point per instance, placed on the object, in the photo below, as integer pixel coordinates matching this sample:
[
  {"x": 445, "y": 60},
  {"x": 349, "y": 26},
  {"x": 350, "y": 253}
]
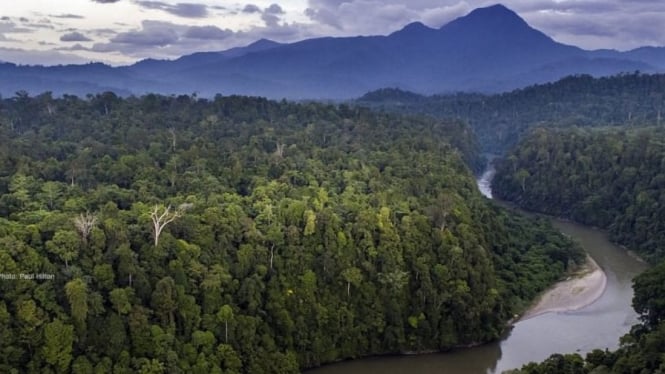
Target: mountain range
[{"x": 489, "y": 50}]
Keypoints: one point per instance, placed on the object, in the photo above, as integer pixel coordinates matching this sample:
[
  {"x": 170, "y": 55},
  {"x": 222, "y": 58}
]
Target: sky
[{"x": 120, "y": 32}]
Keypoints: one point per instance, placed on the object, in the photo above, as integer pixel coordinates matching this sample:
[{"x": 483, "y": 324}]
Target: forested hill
[
  {"x": 611, "y": 178},
  {"x": 240, "y": 235},
  {"x": 499, "y": 120}
]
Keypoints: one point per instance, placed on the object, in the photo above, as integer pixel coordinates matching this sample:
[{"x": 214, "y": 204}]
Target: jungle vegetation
[
  {"x": 242, "y": 235},
  {"x": 612, "y": 178},
  {"x": 500, "y": 120}
]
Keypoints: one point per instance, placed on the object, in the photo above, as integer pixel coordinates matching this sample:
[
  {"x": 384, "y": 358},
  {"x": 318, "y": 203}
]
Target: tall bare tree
[
  {"x": 161, "y": 217},
  {"x": 84, "y": 224},
  {"x": 279, "y": 152}
]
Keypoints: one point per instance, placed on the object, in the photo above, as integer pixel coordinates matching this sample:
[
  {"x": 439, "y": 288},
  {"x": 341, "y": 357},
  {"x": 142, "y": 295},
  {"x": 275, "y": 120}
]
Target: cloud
[
  {"x": 270, "y": 15},
  {"x": 67, "y": 16},
  {"x": 271, "y": 20},
  {"x": 35, "y": 57},
  {"x": 207, "y": 33},
  {"x": 3, "y": 38},
  {"x": 154, "y": 33},
  {"x": 251, "y": 8},
  {"x": 105, "y": 1},
  {"x": 161, "y": 39},
  {"x": 74, "y": 37},
  {"x": 9, "y": 27},
  {"x": 186, "y": 10},
  {"x": 274, "y": 9},
  {"x": 104, "y": 32},
  {"x": 75, "y": 47}
]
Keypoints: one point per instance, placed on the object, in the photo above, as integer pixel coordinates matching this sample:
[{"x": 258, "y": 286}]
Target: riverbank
[{"x": 581, "y": 289}]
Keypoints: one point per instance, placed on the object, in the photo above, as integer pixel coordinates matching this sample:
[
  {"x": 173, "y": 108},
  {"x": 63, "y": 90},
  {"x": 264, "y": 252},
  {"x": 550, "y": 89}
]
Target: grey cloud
[
  {"x": 160, "y": 39},
  {"x": 274, "y": 9},
  {"x": 251, "y": 8},
  {"x": 33, "y": 57},
  {"x": 186, "y": 10},
  {"x": 324, "y": 16},
  {"x": 74, "y": 37},
  {"x": 355, "y": 17},
  {"x": 40, "y": 26},
  {"x": 148, "y": 36},
  {"x": 104, "y": 32},
  {"x": 67, "y": 16},
  {"x": 11, "y": 28},
  {"x": 75, "y": 47},
  {"x": 207, "y": 33},
  {"x": 271, "y": 20},
  {"x": 271, "y": 15}
]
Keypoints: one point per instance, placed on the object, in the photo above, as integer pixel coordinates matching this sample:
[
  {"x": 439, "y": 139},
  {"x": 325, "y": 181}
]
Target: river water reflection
[{"x": 599, "y": 325}]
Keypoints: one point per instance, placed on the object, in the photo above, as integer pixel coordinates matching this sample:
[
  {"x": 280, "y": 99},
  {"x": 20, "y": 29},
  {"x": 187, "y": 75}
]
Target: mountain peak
[
  {"x": 412, "y": 29},
  {"x": 263, "y": 42},
  {"x": 415, "y": 26},
  {"x": 495, "y": 11},
  {"x": 494, "y": 17}
]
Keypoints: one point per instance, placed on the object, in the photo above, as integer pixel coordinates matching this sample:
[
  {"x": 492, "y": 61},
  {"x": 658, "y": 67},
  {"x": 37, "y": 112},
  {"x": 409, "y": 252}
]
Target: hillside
[
  {"x": 241, "y": 235},
  {"x": 609, "y": 178},
  {"x": 500, "y": 120}
]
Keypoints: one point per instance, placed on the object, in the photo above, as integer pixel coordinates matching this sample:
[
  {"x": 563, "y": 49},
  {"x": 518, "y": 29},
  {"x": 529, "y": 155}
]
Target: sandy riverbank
[{"x": 579, "y": 290}]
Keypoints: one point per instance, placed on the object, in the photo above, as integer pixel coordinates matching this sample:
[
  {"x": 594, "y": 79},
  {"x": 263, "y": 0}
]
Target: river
[{"x": 599, "y": 325}]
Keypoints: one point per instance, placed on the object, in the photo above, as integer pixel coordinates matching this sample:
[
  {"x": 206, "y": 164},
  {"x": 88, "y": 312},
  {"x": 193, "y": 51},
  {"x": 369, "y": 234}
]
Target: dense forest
[
  {"x": 610, "y": 178},
  {"x": 613, "y": 178},
  {"x": 239, "y": 235},
  {"x": 500, "y": 120}
]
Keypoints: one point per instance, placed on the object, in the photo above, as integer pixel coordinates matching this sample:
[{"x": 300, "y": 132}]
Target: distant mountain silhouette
[{"x": 491, "y": 49}]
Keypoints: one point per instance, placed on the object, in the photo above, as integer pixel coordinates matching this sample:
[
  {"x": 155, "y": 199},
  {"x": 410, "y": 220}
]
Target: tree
[
  {"x": 153, "y": 366},
  {"x": 353, "y": 276},
  {"x": 161, "y": 217},
  {"x": 164, "y": 300},
  {"x": 65, "y": 244},
  {"x": 84, "y": 224},
  {"x": 522, "y": 175},
  {"x": 52, "y": 191},
  {"x": 225, "y": 314},
  {"x": 649, "y": 296},
  {"x": 77, "y": 295},
  {"x": 58, "y": 340},
  {"x": 121, "y": 299}
]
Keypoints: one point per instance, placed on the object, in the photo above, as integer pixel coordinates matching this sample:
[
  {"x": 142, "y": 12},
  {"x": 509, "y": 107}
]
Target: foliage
[
  {"x": 609, "y": 178},
  {"x": 305, "y": 234},
  {"x": 500, "y": 120}
]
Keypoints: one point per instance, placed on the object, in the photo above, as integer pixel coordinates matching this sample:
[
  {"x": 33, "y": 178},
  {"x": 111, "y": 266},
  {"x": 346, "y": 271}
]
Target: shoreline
[{"x": 579, "y": 290}]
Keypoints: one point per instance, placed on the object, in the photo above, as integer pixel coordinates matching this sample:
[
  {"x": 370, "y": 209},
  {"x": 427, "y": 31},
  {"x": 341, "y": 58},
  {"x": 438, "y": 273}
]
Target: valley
[{"x": 461, "y": 193}]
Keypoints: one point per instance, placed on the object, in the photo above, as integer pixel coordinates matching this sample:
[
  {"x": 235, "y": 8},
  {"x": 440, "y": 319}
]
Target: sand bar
[{"x": 578, "y": 291}]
